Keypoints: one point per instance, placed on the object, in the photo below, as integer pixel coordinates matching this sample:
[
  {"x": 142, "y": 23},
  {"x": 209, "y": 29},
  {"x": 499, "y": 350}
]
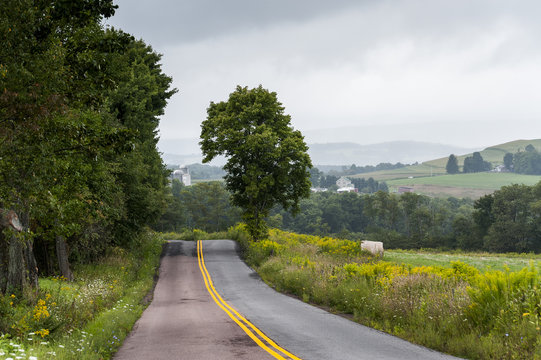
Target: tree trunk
[
  {"x": 62, "y": 256},
  {"x": 4, "y": 260},
  {"x": 19, "y": 263},
  {"x": 16, "y": 267}
]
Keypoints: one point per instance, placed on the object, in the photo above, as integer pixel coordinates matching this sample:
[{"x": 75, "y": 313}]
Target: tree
[
  {"x": 508, "y": 161},
  {"x": 452, "y": 165},
  {"x": 267, "y": 160},
  {"x": 476, "y": 163}
]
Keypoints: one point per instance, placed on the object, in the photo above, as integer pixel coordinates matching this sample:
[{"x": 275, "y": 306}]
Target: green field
[
  {"x": 415, "y": 171},
  {"x": 482, "y": 261},
  {"x": 485, "y": 181}
]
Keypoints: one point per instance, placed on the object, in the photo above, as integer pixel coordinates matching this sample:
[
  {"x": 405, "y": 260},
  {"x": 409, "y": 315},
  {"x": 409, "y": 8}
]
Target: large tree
[{"x": 267, "y": 160}]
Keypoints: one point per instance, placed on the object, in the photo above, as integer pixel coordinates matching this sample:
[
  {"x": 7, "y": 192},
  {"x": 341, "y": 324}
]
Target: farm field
[
  {"x": 481, "y": 261},
  {"x": 420, "y": 170},
  {"x": 487, "y": 181},
  {"x": 493, "y": 154}
]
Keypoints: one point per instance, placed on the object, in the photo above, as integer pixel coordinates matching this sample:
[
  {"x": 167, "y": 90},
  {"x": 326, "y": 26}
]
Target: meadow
[
  {"x": 453, "y": 303},
  {"x": 480, "y": 261},
  {"x": 84, "y": 319},
  {"x": 472, "y": 185}
]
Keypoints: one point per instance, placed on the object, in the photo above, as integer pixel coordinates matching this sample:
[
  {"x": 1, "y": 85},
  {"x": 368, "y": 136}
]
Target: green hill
[
  {"x": 493, "y": 154},
  {"x": 430, "y": 177}
]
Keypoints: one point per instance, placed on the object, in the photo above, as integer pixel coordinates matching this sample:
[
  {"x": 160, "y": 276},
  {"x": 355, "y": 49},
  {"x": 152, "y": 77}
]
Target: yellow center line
[{"x": 230, "y": 311}]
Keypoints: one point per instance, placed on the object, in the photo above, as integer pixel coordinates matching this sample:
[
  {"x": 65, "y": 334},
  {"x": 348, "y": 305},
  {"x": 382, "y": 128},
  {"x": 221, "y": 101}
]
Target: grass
[
  {"x": 485, "y": 180},
  {"x": 481, "y": 261},
  {"x": 84, "y": 319},
  {"x": 442, "y": 301},
  {"x": 420, "y": 170}
]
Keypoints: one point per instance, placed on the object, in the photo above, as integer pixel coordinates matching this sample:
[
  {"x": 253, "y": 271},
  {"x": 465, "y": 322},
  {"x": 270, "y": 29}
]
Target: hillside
[
  {"x": 493, "y": 154},
  {"x": 430, "y": 177}
]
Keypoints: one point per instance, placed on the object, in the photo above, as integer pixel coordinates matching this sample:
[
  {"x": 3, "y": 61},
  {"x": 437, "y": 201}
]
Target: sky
[{"x": 461, "y": 72}]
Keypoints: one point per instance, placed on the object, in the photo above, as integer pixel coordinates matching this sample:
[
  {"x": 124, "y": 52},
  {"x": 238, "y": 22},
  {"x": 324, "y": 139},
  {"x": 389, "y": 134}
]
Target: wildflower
[
  {"x": 43, "y": 332},
  {"x": 526, "y": 314},
  {"x": 61, "y": 346}
]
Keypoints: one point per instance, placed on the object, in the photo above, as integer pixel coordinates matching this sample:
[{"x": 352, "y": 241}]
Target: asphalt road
[
  {"x": 183, "y": 322},
  {"x": 304, "y": 330}
]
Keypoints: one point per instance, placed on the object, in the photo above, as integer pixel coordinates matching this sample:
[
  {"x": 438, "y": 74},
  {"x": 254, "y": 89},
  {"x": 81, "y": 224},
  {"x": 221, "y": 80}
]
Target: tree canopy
[
  {"x": 452, "y": 165},
  {"x": 79, "y": 107},
  {"x": 476, "y": 163},
  {"x": 267, "y": 160}
]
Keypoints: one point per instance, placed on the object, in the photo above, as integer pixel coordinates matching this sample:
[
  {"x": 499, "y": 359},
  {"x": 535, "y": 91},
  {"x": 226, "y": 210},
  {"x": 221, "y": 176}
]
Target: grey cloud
[{"x": 162, "y": 22}]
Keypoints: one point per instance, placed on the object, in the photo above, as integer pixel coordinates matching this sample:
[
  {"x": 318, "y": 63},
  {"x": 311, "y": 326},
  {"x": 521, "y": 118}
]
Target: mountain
[
  {"x": 186, "y": 151},
  {"x": 406, "y": 152}
]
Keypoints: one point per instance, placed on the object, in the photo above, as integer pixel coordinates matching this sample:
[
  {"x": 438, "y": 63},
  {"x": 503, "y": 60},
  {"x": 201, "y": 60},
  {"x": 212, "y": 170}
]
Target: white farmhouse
[{"x": 345, "y": 185}]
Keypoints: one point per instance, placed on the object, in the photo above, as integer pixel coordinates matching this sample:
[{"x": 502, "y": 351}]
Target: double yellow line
[{"x": 260, "y": 339}]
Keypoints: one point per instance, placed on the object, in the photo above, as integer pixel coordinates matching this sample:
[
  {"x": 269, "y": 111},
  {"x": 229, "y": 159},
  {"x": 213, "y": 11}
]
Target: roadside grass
[
  {"x": 194, "y": 235},
  {"x": 455, "y": 308},
  {"x": 84, "y": 319}
]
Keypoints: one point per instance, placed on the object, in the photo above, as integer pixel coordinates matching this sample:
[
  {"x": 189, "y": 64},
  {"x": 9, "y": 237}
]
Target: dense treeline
[
  {"x": 400, "y": 221},
  {"x": 509, "y": 220},
  {"x": 203, "y": 206},
  {"x": 524, "y": 162},
  {"x": 79, "y": 111},
  {"x": 414, "y": 221}
]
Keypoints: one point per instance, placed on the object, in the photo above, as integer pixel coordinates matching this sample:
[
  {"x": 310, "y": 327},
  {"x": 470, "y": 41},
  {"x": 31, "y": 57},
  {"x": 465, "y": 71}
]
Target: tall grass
[
  {"x": 456, "y": 309},
  {"x": 84, "y": 319}
]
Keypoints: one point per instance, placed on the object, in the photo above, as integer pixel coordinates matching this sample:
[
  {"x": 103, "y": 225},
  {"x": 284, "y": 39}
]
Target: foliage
[
  {"x": 454, "y": 308},
  {"x": 267, "y": 160},
  {"x": 204, "y": 206},
  {"x": 508, "y": 161},
  {"x": 89, "y": 317},
  {"x": 475, "y": 163},
  {"x": 78, "y": 118},
  {"x": 527, "y": 162},
  {"x": 400, "y": 221},
  {"x": 452, "y": 165}
]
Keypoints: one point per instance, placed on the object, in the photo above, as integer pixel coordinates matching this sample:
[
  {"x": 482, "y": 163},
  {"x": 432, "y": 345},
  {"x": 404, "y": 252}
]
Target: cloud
[{"x": 350, "y": 63}]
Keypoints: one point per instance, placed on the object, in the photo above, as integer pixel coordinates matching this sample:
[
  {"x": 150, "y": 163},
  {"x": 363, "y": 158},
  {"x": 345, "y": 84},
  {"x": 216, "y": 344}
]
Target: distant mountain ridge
[
  {"x": 406, "y": 152},
  {"x": 186, "y": 151}
]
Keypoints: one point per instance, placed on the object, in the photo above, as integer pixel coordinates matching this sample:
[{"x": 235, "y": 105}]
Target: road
[{"x": 184, "y": 322}]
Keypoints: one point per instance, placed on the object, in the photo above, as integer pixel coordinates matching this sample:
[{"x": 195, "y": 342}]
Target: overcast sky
[{"x": 459, "y": 72}]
